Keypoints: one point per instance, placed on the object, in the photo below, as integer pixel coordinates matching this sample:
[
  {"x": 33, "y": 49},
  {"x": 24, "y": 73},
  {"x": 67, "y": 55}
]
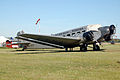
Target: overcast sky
[{"x": 56, "y": 15}]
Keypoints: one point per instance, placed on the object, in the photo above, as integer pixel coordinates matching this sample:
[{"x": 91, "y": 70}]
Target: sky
[{"x": 56, "y": 15}]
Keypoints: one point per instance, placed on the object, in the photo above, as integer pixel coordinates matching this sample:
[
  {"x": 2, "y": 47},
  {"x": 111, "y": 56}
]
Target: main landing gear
[
  {"x": 95, "y": 47},
  {"x": 66, "y": 49},
  {"x": 83, "y": 47}
]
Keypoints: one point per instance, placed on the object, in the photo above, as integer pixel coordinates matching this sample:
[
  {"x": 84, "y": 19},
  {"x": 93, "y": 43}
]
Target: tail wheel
[{"x": 24, "y": 47}]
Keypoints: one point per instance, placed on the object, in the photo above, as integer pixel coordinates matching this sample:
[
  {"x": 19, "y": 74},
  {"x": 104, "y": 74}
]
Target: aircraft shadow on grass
[{"x": 53, "y": 51}]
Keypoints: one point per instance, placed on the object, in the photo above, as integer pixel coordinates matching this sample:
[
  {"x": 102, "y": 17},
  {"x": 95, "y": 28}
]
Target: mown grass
[{"x": 55, "y": 64}]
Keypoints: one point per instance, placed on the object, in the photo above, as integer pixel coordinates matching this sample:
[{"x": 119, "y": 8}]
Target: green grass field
[{"x": 55, "y": 64}]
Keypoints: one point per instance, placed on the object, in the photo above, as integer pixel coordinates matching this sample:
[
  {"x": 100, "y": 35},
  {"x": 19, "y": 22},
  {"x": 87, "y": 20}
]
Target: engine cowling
[
  {"x": 88, "y": 36},
  {"x": 112, "y": 29}
]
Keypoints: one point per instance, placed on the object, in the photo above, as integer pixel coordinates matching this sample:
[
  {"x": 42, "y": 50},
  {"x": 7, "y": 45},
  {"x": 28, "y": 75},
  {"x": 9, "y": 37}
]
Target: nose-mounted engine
[
  {"x": 112, "y": 29},
  {"x": 111, "y": 32}
]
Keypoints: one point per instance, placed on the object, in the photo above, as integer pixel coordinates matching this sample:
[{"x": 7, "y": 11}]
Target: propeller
[
  {"x": 112, "y": 31},
  {"x": 112, "y": 41}
]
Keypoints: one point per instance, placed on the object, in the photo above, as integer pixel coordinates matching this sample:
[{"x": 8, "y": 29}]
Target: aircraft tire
[
  {"x": 96, "y": 48},
  {"x": 83, "y": 47},
  {"x": 23, "y": 49}
]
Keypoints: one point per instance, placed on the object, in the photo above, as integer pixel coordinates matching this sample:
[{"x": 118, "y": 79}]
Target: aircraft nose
[{"x": 112, "y": 29}]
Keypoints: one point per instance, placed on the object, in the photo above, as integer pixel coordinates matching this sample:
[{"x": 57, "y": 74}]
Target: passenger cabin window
[
  {"x": 83, "y": 31},
  {"x": 68, "y": 34},
  {"x": 73, "y": 33},
  {"x": 63, "y": 35},
  {"x": 78, "y": 32}
]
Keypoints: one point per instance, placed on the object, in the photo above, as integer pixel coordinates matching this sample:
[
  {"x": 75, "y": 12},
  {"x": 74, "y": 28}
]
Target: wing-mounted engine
[
  {"x": 88, "y": 36},
  {"x": 91, "y": 36}
]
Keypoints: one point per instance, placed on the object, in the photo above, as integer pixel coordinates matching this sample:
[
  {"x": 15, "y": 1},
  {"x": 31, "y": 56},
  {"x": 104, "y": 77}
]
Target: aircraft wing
[{"x": 50, "y": 40}]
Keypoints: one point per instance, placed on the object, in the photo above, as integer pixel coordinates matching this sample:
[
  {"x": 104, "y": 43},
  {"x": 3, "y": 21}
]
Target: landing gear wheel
[
  {"x": 83, "y": 47},
  {"x": 66, "y": 49},
  {"x": 96, "y": 47}
]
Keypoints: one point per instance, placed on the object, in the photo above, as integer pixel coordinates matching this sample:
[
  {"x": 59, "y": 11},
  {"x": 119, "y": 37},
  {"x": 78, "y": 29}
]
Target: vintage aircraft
[{"x": 79, "y": 37}]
